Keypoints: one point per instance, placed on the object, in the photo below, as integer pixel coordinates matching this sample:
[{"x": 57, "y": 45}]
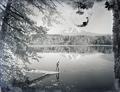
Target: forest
[{"x": 73, "y": 40}]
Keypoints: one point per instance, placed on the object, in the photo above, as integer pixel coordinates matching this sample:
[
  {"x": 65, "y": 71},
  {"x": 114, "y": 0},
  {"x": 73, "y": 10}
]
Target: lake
[{"x": 81, "y": 69}]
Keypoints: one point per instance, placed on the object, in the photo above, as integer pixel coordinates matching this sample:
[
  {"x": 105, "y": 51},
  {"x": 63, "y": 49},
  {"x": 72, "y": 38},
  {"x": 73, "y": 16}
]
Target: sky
[{"x": 100, "y": 20}]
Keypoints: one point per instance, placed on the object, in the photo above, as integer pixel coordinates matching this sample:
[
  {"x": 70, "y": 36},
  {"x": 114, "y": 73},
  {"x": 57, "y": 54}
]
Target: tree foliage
[{"x": 17, "y": 29}]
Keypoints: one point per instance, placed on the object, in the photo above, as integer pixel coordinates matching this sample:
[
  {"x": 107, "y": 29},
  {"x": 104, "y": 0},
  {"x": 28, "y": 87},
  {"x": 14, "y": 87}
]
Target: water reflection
[
  {"x": 86, "y": 69},
  {"x": 117, "y": 69},
  {"x": 57, "y": 69}
]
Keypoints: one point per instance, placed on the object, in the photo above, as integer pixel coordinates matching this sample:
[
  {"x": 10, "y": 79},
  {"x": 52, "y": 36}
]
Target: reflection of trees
[
  {"x": 117, "y": 69},
  {"x": 28, "y": 82}
]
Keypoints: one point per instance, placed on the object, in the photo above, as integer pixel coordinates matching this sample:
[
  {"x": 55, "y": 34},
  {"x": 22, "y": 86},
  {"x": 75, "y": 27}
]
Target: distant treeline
[
  {"x": 74, "y": 40},
  {"x": 73, "y": 49}
]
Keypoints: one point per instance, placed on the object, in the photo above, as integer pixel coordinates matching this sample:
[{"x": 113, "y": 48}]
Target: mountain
[{"x": 80, "y": 32}]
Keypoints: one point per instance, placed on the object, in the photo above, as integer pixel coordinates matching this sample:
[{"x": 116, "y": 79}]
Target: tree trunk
[
  {"x": 3, "y": 49},
  {"x": 116, "y": 37},
  {"x": 4, "y": 27}
]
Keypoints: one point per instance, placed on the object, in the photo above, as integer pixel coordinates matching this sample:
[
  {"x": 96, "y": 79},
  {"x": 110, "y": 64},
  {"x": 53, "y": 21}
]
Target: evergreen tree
[{"x": 17, "y": 30}]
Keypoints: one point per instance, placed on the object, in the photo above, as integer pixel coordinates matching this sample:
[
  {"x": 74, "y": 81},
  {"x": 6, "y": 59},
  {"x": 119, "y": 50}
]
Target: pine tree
[{"x": 16, "y": 32}]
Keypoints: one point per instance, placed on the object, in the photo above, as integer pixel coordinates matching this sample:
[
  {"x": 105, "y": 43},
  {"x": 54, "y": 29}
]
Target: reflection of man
[
  {"x": 27, "y": 80},
  {"x": 57, "y": 69}
]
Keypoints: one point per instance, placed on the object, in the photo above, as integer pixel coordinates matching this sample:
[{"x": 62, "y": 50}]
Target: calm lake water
[{"x": 81, "y": 69}]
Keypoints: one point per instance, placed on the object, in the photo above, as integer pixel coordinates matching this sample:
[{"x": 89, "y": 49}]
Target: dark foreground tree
[
  {"x": 116, "y": 36},
  {"x": 16, "y": 31}
]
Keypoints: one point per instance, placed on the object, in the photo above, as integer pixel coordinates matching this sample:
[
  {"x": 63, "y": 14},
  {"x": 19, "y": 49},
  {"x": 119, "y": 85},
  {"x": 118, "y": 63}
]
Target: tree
[
  {"x": 116, "y": 36},
  {"x": 16, "y": 31}
]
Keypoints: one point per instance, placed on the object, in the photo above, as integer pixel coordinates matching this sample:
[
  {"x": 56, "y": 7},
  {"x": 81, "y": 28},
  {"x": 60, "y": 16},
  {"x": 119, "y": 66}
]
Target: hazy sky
[{"x": 100, "y": 20}]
